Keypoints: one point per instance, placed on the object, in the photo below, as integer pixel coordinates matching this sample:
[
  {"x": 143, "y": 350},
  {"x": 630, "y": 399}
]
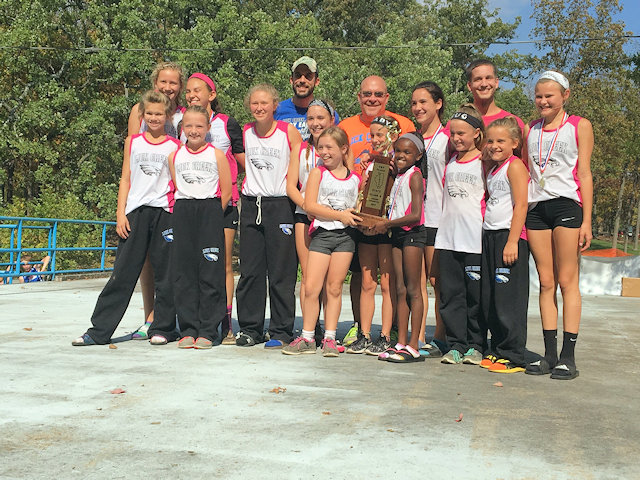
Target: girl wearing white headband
[{"x": 558, "y": 146}]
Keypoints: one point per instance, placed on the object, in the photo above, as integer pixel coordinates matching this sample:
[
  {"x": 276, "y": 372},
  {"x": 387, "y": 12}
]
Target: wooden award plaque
[{"x": 375, "y": 196}]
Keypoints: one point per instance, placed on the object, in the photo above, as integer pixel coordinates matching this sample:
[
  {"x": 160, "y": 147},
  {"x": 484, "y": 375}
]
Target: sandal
[
  {"x": 84, "y": 341},
  {"x": 384, "y": 356},
  {"x": 541, "y": 367},
  {"x": 158, "y": 340},
  {"x": 564, "y": 371},
  {"x": 405, "y": 356}
]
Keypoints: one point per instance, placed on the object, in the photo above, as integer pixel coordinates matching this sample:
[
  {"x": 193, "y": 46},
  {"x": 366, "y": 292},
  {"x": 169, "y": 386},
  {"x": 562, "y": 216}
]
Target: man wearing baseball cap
[{"x": 304, "y": 79}]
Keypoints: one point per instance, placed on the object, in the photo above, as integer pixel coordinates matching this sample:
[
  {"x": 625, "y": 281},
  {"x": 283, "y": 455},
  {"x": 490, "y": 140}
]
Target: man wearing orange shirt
[{"x": 373, "y": 98}]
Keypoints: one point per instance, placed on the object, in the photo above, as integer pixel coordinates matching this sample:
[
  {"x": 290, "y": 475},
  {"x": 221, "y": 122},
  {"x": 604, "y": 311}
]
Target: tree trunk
[
  {"x": 635, "y": 234},
  {"x": 616, "y": 223}
]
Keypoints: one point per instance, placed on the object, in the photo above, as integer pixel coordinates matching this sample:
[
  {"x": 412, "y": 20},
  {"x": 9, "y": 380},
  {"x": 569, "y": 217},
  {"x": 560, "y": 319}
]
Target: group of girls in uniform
[{"x": 465, "y": 199}]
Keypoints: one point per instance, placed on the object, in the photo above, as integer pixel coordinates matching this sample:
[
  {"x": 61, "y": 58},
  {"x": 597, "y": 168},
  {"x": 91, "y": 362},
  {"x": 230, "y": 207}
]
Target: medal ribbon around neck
[
  {"x": 543, "y": 165},
  {"x": 428, "y": 147},
  {"x": 396, "y": 191}
]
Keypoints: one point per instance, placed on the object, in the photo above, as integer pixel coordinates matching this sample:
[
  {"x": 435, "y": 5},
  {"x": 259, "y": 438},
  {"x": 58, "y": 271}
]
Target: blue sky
[{"x": 509, "y": 9}]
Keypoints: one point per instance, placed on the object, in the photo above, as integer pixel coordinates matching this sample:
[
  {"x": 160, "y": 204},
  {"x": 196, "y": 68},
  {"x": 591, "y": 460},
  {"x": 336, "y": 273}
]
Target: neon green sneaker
[{"x": 351, "y": 336}]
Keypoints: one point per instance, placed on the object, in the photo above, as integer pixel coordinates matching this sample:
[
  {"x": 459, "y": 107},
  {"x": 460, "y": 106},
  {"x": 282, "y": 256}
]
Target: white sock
[
  {"x": 308, "y": 335},
  {"x": 330, "y": 334}
]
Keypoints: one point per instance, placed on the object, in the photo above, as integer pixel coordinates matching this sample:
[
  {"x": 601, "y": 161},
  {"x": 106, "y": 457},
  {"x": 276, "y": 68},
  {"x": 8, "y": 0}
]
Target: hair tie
[
  {"x": 205, "y": 79},
  {"x": 556, "y": 77},
  {"x": 321, "y": 103},
  {"x": 470, "y": 119}
]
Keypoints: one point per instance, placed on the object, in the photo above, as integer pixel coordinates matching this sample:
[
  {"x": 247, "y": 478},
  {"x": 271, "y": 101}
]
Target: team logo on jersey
[
  {"x": 501, "y": 275},
  {"x": 168, "y": 235},
  {"x": 262, "y": 164},
  {"x": 287, "y": 228},
  {"x": 472, "y": 271},
  {"x": 150, "y": 170},
  {"x": 211, "y": 253},
  {"x": 456, "y": 191},
  {"x": 193, "y": 178},
  {"x": 552, "y": 161},
  {"x": 492, "y": 201}
]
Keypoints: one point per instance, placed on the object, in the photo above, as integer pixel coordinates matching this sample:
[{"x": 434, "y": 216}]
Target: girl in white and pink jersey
[
  {"x": 266, "y": 224},
  {"x": 408, "y": 237},
  {"x": 226, "y": 135},
  {"x": 505, "y": 253},
  {"x": 459, "y": 240},
  {"x": 320, "y": 116},
  {"x": 331, "y": 198},
  {"x": 201, "y": 175},
  {"x": 145, "y": 201},
  {"x": 559, "y": 149},
  {"x": 167, "y": 78},
  {"x": 427, "y": 106}
]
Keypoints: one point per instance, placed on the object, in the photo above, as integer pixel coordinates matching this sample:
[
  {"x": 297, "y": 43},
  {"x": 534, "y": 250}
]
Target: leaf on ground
[
  {"x": 390, "y": 430},
  {"x": 498, "y": 384},
  {"x": 459, "y": 419},
  {"x": 326, "y": 413},
  {"x": 112, "y": 346},
  {"x": 28, "y": 329},
  {"x": 155, "y": 423},
  {"x": 278, "y": 390},
  {"x": 116, "y": 391}
]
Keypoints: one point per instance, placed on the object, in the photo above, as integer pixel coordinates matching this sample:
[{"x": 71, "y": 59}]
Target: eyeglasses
[
  {"x": 309, "y": 75},
  {"x": 367, "y": 94}
]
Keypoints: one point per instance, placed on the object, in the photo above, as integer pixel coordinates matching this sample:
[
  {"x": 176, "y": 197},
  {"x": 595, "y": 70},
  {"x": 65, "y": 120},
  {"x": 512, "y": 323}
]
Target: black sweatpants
[
  {"x": 197, "y": 265},
  {"x": 150, "y": 232},
  {"x": 267, "y": 247},
  {"x": 505, "y": 296},
  {"x": 460, "y": 300}
]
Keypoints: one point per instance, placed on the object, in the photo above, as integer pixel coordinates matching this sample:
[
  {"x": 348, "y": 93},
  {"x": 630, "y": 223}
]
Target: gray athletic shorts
[{"x": 329, "y": 241}]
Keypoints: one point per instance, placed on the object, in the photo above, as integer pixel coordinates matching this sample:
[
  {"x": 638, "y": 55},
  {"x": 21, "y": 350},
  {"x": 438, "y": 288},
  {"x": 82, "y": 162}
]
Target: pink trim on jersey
[
  {"x": 278, "y": 126},
  {"x": 171, "y": 195},
  {"x": 166, "y": 138}
]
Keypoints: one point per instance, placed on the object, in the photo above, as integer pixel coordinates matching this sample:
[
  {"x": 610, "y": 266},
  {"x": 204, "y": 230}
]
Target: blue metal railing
[{"x": 18, "y": 226}]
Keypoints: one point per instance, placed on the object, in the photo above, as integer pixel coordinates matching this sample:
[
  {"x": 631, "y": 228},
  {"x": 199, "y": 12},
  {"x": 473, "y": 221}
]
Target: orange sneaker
[
  {"x": 488, "y": 361},
  {"x": 503, "y": 365},
  {"x": 186, "y": 342}
]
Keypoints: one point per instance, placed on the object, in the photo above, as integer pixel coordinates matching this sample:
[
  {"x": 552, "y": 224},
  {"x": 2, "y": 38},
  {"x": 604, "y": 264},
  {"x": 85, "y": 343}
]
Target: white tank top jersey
[
  {"x": 400, "y": 197},
  {"x": 196, "y": 173},
  {"x": 266, "y": 161},
  {"x": 218, "y": 136},
  {"x": 500, "y": 203},
  {"x": 559, "y": 176},
  {"x": 436, "y": 162},
  {"x": 151, "y": 183},
  {"x": 308, "y": 161},
  {"x": 338, "y": 194},
  {"x": 171, "y": 127},
  {"x": 462, "y": 206}
]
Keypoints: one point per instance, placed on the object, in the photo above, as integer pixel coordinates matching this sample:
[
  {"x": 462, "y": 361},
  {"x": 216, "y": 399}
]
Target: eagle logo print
[
  {"x": 287, "y": 228},
  {"x": 168, "y": 235},
  {"x": 150, "y": 170},
  {"x": 492, "y": 201},
  {"x": 211, "y": 254},
  {"x": 456, "y": 191},
  {"x": 261, "y": 164},
  {"x": 193, "y": 178}
]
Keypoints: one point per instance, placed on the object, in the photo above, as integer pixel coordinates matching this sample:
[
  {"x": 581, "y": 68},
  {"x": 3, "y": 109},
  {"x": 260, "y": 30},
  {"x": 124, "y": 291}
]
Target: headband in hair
[
  {"x": 321, "y": 103},
  {"x": 556, "y": 77},
  {"x": 416, "y": 139},
  {"x": 470, "y": 119},
  {"x": 205, "y": 79},
  {"x": 391, "y": 125}
]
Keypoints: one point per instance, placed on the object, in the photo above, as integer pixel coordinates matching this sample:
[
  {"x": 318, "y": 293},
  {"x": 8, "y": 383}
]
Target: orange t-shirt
[{"x": 360, "y": 136}]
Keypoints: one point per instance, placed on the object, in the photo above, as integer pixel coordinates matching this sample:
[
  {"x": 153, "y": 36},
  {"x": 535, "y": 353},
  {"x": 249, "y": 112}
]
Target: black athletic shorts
[
  {"x": 557, "y": 212},
  {"x": 230, "y": 219},
  {"x": 378, "y": 239},
  {"x": 431, "y": 236},
  {"x": 416, "y": 237}
]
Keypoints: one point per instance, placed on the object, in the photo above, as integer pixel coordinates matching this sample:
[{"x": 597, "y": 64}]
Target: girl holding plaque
[{"x": 558, "y": 223}]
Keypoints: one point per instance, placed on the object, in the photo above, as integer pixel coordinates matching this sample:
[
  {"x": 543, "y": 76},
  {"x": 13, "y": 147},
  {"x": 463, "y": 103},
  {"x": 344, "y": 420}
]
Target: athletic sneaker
[
  {"x": 329, "y": 348},
  {"x": 187, "y": 342},
  {"x": 203, "y": 343},
  {"x": 274, "y": 344},
  {"x": 452, "y": 357},
  {"x": 360, "y": 345},
  {"x": 142, "y": 332},
  {"x": 502, "y": 365},
  {"x": 245, "y": 340},
  {"x": 378, "y": 346},
  {"x": 488, "y": 361},
  {"x": 351, "y": 336},
  {"x": 472, "y": 357},
  {"x": 300, "y": 346},
  {"x": 431, "y": 350}
]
